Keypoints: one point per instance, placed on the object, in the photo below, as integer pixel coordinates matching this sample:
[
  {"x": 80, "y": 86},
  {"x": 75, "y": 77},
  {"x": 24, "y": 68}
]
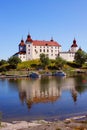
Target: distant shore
[
  {"x": 13, "y": 76},
  {"x": 25, "y": 73}
]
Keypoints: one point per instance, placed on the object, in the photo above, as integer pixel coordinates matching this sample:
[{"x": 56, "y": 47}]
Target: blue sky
[{"x": 61, "y": 19}]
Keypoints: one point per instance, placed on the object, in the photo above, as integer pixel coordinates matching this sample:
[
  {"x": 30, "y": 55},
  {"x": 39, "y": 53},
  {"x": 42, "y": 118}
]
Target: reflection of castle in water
[{"x": 45, "y": 90}]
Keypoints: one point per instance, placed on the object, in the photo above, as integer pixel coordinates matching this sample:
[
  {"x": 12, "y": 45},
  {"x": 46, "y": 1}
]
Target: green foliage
[
  {"x": 84, "y": 66},
  {"x": 13, "y": 61},
  {"x": 51, "y": 66},
  {"x": 44, "y": 60},
  {"x": 32, "y": 64},
  {"x": 4, "y": 67},
  {"x": 2, "y": 62},
  {"x": 73, "y": 64},
  {"x": 59, "y": 63},
  {"x": 80, "y": 57}
]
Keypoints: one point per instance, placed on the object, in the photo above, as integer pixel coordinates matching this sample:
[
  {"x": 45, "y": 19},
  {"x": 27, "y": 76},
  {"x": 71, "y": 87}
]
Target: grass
[{"x": 28, "y": 64}]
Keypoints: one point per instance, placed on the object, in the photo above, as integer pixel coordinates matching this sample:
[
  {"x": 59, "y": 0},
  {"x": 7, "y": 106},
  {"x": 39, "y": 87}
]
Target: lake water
[{"x": 48, "y": 98}]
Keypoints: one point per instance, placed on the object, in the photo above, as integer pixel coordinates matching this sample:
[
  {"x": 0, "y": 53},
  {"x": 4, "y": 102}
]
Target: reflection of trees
[
  {"x": 81, "y": 83},
  {"x": 81, "y": 88},
  {"x": 74, "y": 95},
  {"x": 13, "y": 83},
  {"x": 29, "y": 103}
]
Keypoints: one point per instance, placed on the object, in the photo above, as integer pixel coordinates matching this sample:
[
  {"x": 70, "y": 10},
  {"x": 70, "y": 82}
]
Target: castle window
[
  {"x": 40, "y": 50},
  {"x": 28, "y": 45},
  {"x": 47, "y": 50},
  {"x": 43, "y": 50},
  {"x": 36, "y": 51}
]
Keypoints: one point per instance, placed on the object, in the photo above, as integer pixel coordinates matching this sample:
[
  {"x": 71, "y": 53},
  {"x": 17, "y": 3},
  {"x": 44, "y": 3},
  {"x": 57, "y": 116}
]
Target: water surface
[{"x": 44, "y": 98}]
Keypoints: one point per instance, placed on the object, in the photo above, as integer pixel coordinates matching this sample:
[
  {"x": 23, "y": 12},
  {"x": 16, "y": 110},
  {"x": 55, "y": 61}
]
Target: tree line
[{"x": 79, "y": 59}]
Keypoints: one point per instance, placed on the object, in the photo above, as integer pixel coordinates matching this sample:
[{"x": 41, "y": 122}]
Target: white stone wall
[
  {"x": 36, "y": 52},
  {"x": 22, "y": 57},
  {"x": 68, "y": 56},
  {"x": 74, "y": 49},
  {"x": 29, "y": 49},
  {"x": 50, "y": 51}
]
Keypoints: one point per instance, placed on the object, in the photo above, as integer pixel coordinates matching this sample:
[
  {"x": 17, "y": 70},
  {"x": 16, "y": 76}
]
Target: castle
[{"x": 31, "y": 49}]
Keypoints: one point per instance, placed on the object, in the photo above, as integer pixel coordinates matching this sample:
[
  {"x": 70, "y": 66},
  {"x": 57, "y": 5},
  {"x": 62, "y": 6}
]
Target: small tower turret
[
  {"x": 74, "y": 46},
  {"x": 22, "y": 46},
  {"x": 29, "y": 39},
  {"x": 51, "y": 39}
]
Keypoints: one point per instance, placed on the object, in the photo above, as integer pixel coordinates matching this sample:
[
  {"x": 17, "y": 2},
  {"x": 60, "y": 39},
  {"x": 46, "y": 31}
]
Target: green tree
[
  {"x": 59, "y": 62},
  {"x": 44, "y": 60},
  {"x": 13, "y": 61},
  {"x": 2, "y": 62},
  {"x": 80, "y": 57}
]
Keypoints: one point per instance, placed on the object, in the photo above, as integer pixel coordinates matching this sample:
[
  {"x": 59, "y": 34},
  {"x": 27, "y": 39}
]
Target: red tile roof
[
  {"x": 42, "y": 43},
  {"x": 29, "y": 39},
  {"x": 45, "y": 43}
]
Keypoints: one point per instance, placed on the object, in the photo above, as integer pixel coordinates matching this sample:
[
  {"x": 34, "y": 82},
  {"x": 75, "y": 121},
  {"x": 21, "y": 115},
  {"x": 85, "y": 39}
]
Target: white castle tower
[
  {"x": 29, "y": 48},
  {"x": 74, "y": 46}
]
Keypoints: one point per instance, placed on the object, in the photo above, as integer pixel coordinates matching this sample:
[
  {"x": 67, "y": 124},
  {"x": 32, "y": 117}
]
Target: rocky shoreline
[{"x": 75, "y": 123}]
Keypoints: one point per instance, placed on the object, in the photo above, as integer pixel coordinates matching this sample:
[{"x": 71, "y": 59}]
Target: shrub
[{"x": 73, "y": 64}]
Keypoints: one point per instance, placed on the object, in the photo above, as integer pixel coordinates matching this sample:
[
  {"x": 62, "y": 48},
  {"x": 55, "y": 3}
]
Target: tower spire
[
  {"x": 51, "y": 39},
  {"x": 29, "y": 39}
]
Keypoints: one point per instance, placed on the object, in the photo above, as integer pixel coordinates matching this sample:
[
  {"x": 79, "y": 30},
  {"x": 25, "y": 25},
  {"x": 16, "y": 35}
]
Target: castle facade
[{"x": 31, "y": 49}]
